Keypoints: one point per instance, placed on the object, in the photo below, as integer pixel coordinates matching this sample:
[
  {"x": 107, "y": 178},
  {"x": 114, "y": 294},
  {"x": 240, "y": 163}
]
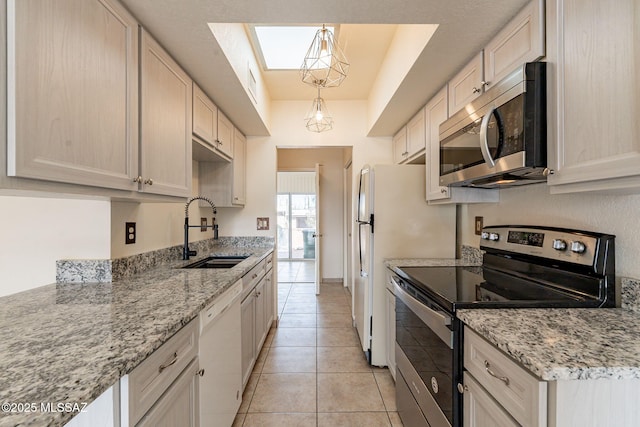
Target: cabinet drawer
[
  {"x": 148, "y": 381},
  {"x": 268, "y": 262},
  {"x": 251, "y": 279},
  {"x": 520, "y": 393}
]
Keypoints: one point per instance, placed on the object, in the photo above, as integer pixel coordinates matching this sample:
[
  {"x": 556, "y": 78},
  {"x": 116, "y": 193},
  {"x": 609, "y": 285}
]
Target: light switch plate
[
  {"x": 263, "y": 223},
  {"x": 478, "y": 227}
]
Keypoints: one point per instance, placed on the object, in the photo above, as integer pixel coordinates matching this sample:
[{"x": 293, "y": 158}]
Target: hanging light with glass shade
[
  {"x": 324, "y": 65},
  {"x": 318, "y": 118}
]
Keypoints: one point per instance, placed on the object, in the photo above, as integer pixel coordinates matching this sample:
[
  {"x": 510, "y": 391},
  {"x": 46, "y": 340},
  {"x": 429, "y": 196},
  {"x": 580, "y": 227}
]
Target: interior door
[
  {"x": 349, "y": 226},
  {"x": 361, "y": 293},
  {"x": 318, "y": 233}
]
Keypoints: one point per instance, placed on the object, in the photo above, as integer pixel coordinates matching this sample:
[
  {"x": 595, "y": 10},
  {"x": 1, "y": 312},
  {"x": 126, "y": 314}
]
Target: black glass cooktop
[{"x": 475, "y": 287}]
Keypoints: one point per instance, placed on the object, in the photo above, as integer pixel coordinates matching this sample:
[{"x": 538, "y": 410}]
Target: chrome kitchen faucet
[{"x": 186, "y": 253}]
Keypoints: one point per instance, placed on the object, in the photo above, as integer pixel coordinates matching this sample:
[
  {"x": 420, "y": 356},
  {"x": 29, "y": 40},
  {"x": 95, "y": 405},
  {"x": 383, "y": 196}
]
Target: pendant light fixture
[
  {"x": 318, "y": 118},
  {"x": 324, "y": 65}
]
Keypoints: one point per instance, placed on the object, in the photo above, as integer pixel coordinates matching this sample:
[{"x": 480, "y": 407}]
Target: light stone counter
[
  {"x": 70, "y": 342},
  {"x": 564, "y": 344}
]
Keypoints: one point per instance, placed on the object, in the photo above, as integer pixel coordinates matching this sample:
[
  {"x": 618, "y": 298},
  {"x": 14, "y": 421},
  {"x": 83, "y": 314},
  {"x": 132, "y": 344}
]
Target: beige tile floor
[{"x": 312, "y": 372}]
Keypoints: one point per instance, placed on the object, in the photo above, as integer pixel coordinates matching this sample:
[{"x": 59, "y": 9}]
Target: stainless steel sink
[{"x": 218, "y": 262}]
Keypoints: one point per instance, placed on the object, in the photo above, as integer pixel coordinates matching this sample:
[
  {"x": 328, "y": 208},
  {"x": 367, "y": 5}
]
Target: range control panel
[{"x": 578, "y": 247}]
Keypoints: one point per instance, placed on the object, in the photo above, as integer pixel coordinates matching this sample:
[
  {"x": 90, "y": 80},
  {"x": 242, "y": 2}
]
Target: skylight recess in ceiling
[{"x": 283, "y": 47}]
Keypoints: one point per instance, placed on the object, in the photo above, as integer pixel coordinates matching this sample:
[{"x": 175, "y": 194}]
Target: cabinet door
[
  {"x": 239, "y": 167},
  {"x": 416, "y": 134},
  {"x": 400, "y": 146},
  {"x": 261, "y": 314},
  {"x": 391, "y": 333},
  {"x": 205, "y": 116},
  {"x": 596, "y": 96},
  {"x": 522, "y": 40},
  {"x": 480, "y": 410},
  {"x": 435, "y": 113},
  {"x": 269, "y": 302},
  {"x": 72, "y": 92},
  {"x": 225, "y": 134},
  {"x": 466, "y": 86},
  {"x": 179, "y": 405},
  {"x": 248, "y": 320},
  {"x": 165, "y": 122}
]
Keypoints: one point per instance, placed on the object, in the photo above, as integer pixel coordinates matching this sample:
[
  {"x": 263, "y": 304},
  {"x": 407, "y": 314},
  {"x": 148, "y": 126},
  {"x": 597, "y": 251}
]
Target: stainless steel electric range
[{"x": 523, "y": 266}]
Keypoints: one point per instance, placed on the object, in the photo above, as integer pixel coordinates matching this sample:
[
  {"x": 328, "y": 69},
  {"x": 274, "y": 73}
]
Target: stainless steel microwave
[{"x": 500, "y": 138}]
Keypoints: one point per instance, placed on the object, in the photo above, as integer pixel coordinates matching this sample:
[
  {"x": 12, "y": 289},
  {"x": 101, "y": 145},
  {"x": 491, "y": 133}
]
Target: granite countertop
[
  {"x": 564, "y": 344},
  {"x": 71, "y": 342}
]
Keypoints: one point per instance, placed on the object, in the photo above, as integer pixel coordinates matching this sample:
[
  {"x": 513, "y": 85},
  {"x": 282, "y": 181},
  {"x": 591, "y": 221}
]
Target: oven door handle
[{"x": 437, "y": 322}]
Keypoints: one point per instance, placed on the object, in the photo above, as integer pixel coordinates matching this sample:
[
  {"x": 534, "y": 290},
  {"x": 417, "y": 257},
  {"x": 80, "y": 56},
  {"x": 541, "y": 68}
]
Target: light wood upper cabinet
[
  {"x": 467, "y": 85},
  {"x": 400, "y": 145},
  {"x": 165, "y": 122},
  {"x": 522, "y": 40},
  {"x": 239, "y": 168},
  {"x": 205, "y": 116},
  {"x": 73, "y": 92},
  {"x": 594, "y": 101},
  {"x": 223, "y": 181},
  {"x": 409, "y": 142},
  {"x": 416, "y": 135},
  {"x": 225, "y": 134}
]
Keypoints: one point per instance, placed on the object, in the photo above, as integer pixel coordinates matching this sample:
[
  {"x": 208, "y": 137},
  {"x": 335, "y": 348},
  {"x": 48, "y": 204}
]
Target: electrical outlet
[
  {"x": 203, "y": 224},
  {"x": 478, "y": 227},
  {"x": 130, "y": 233}
]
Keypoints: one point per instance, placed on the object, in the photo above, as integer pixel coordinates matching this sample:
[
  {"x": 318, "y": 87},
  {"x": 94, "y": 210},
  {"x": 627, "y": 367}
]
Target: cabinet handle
[
  {"x": 173, "y": 361},
  {"x": 148, "y": 181},
  {"x": 476, "y": 90},
  {"x": 254, "y": 276},
  {"x": 443, "y": 190},
  {"x": 485, "y": 83},
  {"x": 137, "y": 179},
  {"x": 487, "y": 366},
  {"x": 405, "y": 153},
  {"x": 200, "y": 372},
  {"x": 258, "y": 294}
]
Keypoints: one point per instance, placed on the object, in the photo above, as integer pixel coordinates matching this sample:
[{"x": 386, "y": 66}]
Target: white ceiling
[{"x": 181, "y": 26}]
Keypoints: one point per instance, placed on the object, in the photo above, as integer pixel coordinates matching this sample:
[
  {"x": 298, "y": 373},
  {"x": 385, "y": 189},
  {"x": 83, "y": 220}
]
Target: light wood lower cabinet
[
  {"x": 165, "y": 122},
  {"x": 72, "y": 92},
  {"x": 391, "y": 333},
  {"x": 257, "y": 312},
  {"x": 164, "y": 384},
  {"x": 480, "y": 409},
  {"x": 179, "y": 405},
  {"x": 499, "y": 392}
]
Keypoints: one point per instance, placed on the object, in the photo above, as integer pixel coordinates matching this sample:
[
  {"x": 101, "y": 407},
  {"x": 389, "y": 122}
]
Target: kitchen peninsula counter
[{"x": 69, "y": 342}]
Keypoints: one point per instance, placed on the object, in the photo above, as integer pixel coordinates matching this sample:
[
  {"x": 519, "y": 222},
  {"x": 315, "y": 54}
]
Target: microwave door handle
[{"x": 484, "y": 141}]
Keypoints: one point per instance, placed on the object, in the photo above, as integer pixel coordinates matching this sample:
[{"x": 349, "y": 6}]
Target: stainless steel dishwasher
[{"x": 220, "y": 359}]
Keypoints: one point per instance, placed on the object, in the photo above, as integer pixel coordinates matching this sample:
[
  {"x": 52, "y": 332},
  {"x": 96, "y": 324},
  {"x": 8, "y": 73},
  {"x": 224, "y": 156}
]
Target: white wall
[
  {"x": 288, "y": 130},
  {"x": 533, "y": 205},
  {"x": 158, "y": 225},
  {"x": 36, "y": 232}
]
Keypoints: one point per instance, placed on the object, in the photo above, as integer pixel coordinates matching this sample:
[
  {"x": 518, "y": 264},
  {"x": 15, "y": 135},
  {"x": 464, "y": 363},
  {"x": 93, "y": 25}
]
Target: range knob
[
  {"x": 494, "y": 237},
  {"x": 559, "y": 245},
  {"x": 578, "y": 247},
  {"x": 484, "y": 235}
]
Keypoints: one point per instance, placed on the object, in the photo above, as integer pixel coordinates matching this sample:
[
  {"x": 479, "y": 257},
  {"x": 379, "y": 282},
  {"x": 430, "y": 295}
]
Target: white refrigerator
[{"x": 393, "y": 221}]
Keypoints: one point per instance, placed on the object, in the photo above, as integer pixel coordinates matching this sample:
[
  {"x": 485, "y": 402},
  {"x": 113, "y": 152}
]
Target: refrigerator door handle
[{"x": 360, "y": 224}]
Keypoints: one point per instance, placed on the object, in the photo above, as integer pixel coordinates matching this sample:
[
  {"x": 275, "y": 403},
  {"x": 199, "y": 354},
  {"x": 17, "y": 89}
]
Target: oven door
[{"x": 425, "y": 354}]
